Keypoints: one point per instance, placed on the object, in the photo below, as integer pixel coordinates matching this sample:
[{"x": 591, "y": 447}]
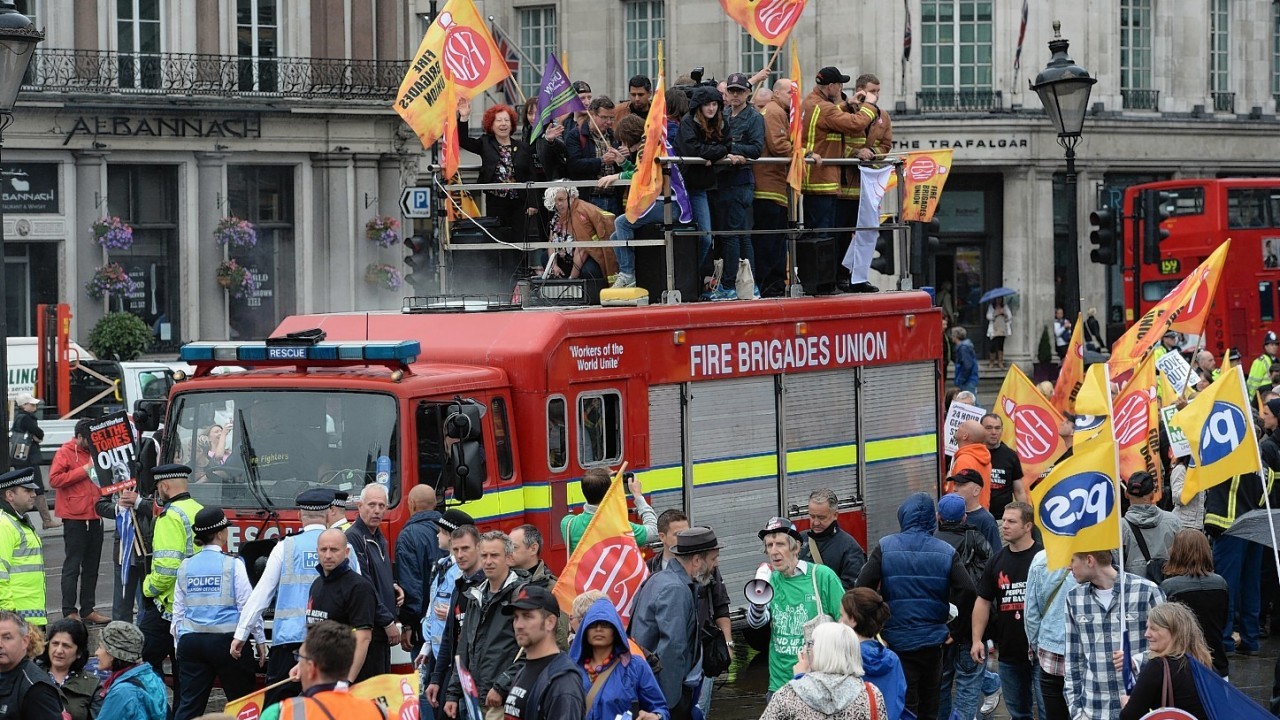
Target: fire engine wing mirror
[
  {"x": 147, "y": 414},
  {"x": 465, "y": 471},
  {"x": 255, "y": 554}
]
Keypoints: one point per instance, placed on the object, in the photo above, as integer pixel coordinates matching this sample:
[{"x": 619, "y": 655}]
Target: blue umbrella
[{"x": 999, "y": 292}]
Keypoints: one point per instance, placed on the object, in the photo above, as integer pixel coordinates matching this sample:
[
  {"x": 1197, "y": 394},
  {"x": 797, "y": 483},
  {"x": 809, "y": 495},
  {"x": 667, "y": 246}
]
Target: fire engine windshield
[{"x": 247, "y": 447}]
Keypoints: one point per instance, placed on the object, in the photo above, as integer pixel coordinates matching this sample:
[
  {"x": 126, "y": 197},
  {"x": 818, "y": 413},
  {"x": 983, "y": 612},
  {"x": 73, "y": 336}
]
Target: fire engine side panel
[
  {"x": 822, "y": 437},
  {"x": 733, "y": 442},
  {"x": 666, "y": 452},
  {"x": 899, "y": 406}
]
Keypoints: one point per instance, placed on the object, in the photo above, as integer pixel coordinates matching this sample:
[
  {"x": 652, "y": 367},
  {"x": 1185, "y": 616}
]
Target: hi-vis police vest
[
  {"x": 174, "y": 541},
  {"x": 208, "y": 581},
  {"x": 21, "y": 569},
  {"x": 297, "y": 572}
]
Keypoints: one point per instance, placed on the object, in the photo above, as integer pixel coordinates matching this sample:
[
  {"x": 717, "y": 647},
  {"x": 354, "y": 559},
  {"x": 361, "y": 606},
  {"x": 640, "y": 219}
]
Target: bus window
[
  {"x": 1155, "y": 290},
  {"x": 599, "y": 428},
  {"x": 557, "y": 435},
  {"x": 502, "y": 438},
  {"x": 1247, "y": 208},
  {"x": 1187, "y": 201},
  {"x": 1267, "y": 301}
]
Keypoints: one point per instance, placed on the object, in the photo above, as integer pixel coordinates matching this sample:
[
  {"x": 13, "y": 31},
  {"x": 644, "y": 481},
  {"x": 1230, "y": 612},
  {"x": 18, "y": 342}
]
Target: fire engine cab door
[
  {"x": 733, "y": 443},
  {"x": 898, "y": 411}
]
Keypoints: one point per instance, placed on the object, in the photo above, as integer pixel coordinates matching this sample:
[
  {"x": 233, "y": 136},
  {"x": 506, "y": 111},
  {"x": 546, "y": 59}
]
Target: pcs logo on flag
[
  {"x": 1077, "y": 503},
  {"x": 1223, "y": 432}
]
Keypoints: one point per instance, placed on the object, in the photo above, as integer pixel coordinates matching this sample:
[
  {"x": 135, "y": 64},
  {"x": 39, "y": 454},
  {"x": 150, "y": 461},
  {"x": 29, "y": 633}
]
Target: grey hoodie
[
  {"x": 1158, "y": 528},
  {"x": 829, "y": 694}
]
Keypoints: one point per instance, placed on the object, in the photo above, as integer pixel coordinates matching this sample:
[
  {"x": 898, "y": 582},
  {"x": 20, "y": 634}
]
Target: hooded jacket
[
  {"x": 918, "y": 575},
  {"x": 1158, "y": 528},
  {"x": 839, "y": 551},
  {"x": 137, "y": 694},
  {"x": 417, "y": 550},
  {"x": 966, "y": 364},
  {"x": 630, "y": 682},
  {"x": 975, "y": 457},
  {"x": 883, "y": 669},
  {"x": 692, "y": 141},
  {"x": 820, "y": 695},
  {"x": 487, "y": 642}
]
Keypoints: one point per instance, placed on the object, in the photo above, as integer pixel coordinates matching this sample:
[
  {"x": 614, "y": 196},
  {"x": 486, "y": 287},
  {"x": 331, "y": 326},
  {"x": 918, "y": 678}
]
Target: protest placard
[
  {"x": 113, "y": 449},
  {"x": 958, "y": 413},
  {"x": 1178, "y": 443},
  {"x": 1178, "y": 371}
]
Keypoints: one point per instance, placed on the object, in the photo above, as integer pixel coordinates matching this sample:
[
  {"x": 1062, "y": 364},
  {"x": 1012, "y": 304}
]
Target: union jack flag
[
  {"x": 509, "y": 87},
  {"x": 1022, "y": 34}
]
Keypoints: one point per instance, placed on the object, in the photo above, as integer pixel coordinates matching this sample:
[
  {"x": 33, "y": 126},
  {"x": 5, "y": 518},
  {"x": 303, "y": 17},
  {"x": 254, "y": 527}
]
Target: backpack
[{"x": 974, "y": 552}]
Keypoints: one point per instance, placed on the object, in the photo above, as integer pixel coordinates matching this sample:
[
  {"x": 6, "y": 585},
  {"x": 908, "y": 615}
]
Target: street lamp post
[
  {"x": 1063, "y": 87},
  {"x": 18, "y": 38}
]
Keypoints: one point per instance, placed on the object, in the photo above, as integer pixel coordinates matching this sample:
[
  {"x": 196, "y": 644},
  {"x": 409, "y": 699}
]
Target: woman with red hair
[{"x": 503, "y": 159}]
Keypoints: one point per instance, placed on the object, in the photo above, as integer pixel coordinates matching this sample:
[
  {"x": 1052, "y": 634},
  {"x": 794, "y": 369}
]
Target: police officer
[
  {"x": 211, "y": 591},
  {"x": 1260, "y": 371},
  {"x": 173, "y": 542},
  {"x": 21, "y": 554},
  {"x": 290, "y": 570}
]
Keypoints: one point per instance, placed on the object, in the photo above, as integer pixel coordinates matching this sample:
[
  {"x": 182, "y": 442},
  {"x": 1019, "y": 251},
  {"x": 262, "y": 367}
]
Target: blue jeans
[
  {"x": 1017, "y": 680},
  {"x": 608, "y": 202},
  {"x": 770, "y": 250},
  {"x": 820, "y": 212},
  {"x": 733, "y": 213},
  {"x": 1239, "y": 562},
  {"x": 624, "y": 229},
  {"x": 702, "y": 218},
  {"x": 959, "y": 670}
]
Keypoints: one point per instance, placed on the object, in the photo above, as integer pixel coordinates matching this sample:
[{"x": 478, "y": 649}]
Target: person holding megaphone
[{"x": 796, "y": 597}]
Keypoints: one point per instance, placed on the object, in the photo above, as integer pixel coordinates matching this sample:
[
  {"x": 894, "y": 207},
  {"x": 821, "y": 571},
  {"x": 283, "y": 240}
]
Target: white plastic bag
[{"x": 746, "y": 285}]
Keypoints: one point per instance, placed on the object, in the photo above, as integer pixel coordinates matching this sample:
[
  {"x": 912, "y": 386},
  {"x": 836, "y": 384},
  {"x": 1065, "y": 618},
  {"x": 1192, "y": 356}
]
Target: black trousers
[
  {"x": 83, "y": 541},
  {"x": 923, "y": 669},
  {"x": 377, "y": 661},
  {"x": 157, "y": 644},
  {"x": 1055, "y": 700},
  {"x": 203, "y": 657},
  {"x": 279, "y": 662}
]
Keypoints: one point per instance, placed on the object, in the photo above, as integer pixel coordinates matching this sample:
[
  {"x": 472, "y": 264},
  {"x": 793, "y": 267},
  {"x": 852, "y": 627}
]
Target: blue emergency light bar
[{"x": 400, "y": 352}]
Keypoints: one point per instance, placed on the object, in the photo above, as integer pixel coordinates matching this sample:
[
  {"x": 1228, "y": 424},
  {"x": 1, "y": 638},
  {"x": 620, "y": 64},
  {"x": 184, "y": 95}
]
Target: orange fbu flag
[
  {"x": 795, "y": 174},
  {"x": 458, "y": 50},
  {"x": 1071, "y": 376},
  {"x": 397, "y": 693},
  {"x": 606, "y": 558},
  {"x": 1183, "y": 309},
  {"x": 1136, "y": 422},
  {"x": 924, "y": 173},
  {"x": 451, "y": 151},
  {"x": 646, "y": 183},
  {"x": 1031, "y": 424},
  {"x": 768, "y": 21}
]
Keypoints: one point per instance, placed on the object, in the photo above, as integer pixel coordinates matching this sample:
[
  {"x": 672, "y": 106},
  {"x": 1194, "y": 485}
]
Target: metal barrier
[{"x": 793, "y": 231}]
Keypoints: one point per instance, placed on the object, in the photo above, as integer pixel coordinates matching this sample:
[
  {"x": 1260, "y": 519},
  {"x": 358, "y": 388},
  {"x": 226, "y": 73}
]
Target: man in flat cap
[
  {"x": 174, "y": 541},
  {"x": 21, "y": 553},
  {"x": 290, "y": 570}
]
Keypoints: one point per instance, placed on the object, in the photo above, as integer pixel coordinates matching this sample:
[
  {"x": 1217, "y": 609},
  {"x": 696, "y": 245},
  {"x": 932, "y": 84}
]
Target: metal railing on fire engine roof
[{"x": 794, "y": 230}]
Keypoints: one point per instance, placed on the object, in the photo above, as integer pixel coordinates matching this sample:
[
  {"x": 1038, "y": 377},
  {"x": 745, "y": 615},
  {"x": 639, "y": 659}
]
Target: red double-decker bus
[{"x": 1170, "y": 227}]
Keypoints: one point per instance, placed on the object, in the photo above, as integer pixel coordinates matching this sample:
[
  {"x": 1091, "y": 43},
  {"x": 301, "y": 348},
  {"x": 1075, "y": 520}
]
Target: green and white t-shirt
[{"x": 792, "y": 606}]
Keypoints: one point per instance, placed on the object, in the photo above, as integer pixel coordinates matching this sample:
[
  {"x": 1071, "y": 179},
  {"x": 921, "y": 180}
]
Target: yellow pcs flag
[
  {"x": 924, "y": 174},
  {"x": 1136, "y": 422},
  {"x": 1031, "y": 424},
  {"x": 646, "y": 183},
  {"x": 456, "y": 49},
  {"x": 1077, "y": 507},
  {"x": 1218, "y": 424},
  {"x": 606, "y": 558},
  {"x": 1071, "y": 376}
]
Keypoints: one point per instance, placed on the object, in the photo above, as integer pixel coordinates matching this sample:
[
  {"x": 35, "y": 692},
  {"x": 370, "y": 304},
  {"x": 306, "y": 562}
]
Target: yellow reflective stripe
[
  {"x": 775, "y": 197},
  {"x": 810, "y": 187},
  {"x": 902, "y": 447},
  {"x": 715, "y": 472}
]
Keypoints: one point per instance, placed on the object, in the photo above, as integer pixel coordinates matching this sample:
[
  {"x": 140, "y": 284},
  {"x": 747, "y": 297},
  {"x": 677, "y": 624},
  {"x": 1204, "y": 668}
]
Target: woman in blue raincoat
[{"x": 617, "y": 675}]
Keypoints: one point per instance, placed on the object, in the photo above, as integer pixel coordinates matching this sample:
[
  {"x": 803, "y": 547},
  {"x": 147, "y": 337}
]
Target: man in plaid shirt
[{"x": 1093, "y": 685}]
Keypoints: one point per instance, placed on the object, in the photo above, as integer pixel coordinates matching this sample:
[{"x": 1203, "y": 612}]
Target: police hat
[
  {"x": 452, "y": 519},
  {"x": 210, "y": 520},
  {"x": 1269, "y": 338},
  {"x": 22, "y": 477},
  {"x": 316, "y": 499},
  {"x": 173, "y": 471},
  {"x": 340, "y": 499}
]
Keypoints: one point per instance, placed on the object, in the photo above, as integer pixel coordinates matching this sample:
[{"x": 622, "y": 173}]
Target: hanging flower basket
[
  {"x": 109, "y": 279},
  {"x": 235, "y": 232},
  {"x": 383, "y": 230},
  {"x": 236, "y": 279},
  {"x": 112, "y": 233},
  {"x": 382, "y": 275}
]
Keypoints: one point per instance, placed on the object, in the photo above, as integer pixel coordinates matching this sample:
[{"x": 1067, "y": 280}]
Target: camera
[{"x": 697, "y": 74}]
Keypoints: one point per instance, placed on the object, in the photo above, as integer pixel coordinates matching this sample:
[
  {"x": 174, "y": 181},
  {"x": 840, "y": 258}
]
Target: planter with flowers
[
  {"x": 112, "y": 233},
  {"x": 236, "y": 279},
  {"x": 383, "y": 230},
  {"x": 109, "y": 280},
  {"x": 235, "y": 232},
  {"x": 383, "y": 276}
]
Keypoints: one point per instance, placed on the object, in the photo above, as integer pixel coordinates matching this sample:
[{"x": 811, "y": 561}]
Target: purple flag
[
  {"x": 678, "y": 189},
  {"x": 556, "y": 96}
]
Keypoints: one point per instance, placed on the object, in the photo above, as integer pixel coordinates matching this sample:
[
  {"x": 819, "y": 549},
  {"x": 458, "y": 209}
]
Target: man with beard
[{"x": 664, "y": 619}]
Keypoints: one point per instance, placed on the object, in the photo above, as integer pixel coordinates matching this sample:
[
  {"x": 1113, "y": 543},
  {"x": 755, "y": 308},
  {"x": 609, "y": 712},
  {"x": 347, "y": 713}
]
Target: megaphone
[{"x": 758, "y": 590}]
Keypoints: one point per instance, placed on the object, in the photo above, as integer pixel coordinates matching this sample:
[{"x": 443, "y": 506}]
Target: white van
[{"x": 24, "y": 356}]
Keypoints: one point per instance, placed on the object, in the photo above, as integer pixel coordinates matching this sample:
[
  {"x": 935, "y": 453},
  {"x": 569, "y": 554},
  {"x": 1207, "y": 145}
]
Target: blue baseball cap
[{"x": 951, "y": 508}]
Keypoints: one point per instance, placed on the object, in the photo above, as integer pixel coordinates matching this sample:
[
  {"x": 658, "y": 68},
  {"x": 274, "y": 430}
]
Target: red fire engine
[{"x": 734, "y": 412}]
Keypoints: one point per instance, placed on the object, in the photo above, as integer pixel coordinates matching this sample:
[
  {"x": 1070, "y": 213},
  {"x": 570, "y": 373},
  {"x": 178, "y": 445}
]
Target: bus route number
[{"x": 1170, "y": 266}]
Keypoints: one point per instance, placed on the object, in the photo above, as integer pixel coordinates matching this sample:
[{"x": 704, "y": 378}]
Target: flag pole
[
  {"x": 1115, "y": 445},
  {"x": 1263, "y": 475}
]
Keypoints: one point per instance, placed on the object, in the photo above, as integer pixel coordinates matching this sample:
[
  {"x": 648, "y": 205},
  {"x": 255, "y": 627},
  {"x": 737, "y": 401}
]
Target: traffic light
[
  {"x": 419, "y": 262},
  {"x": 886, "y": 243},
  {"x": 1103, "y": 236},
  {"x": 924, "y": 243},
  {"x": 1159, "y": 207}
]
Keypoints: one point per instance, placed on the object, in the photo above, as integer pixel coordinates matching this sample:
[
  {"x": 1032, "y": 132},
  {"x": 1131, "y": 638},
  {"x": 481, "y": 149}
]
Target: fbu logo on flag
[
  {"x": 1222, "y": 434},
  {"x": 1077, "y": 503}
]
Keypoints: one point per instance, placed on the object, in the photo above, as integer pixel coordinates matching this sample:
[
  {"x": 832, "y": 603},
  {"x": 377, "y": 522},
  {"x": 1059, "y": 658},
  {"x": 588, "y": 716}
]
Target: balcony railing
[
  {"x": 936, "y": 101},
  {"x": 1140, "y": 99},
  {"x": 1224, "y": 102},
  {"x": 85, "y": 71}
]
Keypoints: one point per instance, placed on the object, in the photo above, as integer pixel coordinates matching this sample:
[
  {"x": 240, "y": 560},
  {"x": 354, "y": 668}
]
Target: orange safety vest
[{"x": 339, "y": 704}]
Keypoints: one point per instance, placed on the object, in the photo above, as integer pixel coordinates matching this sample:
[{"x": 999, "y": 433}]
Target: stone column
[
  {"x": 91, "y": 203},
  {"x": 211, "y": 299},
  {"x": 365, "y": 202},
  {"x": 334, "y": 237},
  {"x": 1028, "y": 242}
]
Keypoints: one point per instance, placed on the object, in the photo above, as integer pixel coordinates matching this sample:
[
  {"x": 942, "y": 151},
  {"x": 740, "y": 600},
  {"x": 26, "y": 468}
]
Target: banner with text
[{"x": 924, "y": 174}]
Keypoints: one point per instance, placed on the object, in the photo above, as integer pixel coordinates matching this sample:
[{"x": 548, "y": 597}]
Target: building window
[
  {"x": 645, "y": 27},
  {"x": 138, "y": 40},
  {"x": 1135, "y": 55},
  {"x": 257, "y": 27},
  {"x": 537, "y": 40},
  {"x": 1220, "y": 57},
  {"x": 263, "y": 195},
  {"x": 146, "y": 197},
  {"x": 956, "y": 69},
  {"x": 754, "y": 56},
  {"x": 1275, "y": 51}
]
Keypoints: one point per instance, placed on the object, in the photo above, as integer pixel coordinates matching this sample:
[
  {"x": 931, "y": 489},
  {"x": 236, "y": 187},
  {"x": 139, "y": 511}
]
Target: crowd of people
[{"x": 729, "y": 123}]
